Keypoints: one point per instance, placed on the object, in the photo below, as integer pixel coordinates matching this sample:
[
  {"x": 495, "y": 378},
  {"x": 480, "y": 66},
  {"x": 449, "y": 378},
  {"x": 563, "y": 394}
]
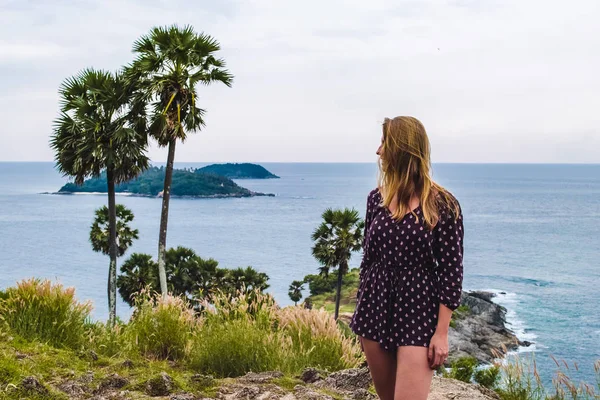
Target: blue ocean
[{"x": 531, "y": 232}]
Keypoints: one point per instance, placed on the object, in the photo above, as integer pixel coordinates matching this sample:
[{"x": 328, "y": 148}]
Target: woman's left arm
[{"x": 448, "y": 251}]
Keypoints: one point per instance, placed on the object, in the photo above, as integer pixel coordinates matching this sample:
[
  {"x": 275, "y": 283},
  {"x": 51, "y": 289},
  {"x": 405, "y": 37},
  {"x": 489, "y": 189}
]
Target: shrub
[
  {"x": 40, "y": 310},
  {"x": 162, "y": 328},
  {"x": 317, "y": 341},
  {"x": 487, "y": 377},
  {"x": 238, "y": 335},
  {"x": 463, "y": 368}
]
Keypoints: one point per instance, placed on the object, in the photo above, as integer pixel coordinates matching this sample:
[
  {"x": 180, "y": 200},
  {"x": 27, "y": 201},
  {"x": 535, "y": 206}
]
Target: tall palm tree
[
  {"x": 171, "y": 62},
  {"x": 340, "y": 234},
  {"x": 96, "y": 131},
  {"x": 295, "y": 291}
]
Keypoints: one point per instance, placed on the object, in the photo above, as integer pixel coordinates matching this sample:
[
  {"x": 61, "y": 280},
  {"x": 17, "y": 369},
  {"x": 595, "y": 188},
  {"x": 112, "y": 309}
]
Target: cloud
[{"x": 492, "y": 80}]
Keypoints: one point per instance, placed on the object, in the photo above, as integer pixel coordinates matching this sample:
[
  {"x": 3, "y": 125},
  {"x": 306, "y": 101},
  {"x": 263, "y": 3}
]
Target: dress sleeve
[
  {"x": 448, "y": 252},
  {"x": 369, "y": 215}
]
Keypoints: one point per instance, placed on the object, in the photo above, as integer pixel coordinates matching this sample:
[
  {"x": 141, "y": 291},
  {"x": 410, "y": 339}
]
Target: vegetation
[
  {"x": 98, "y": 131},
  {"x": 40, "y": 310},
  {"x": 238, "y": 171},
  {"x": 340, "y": 234},
  {"x": 100, "y": 231},
  {"x": 189, "y": 276},
  {"x": 171, "y": 62},
  {"x": 323, "y": 291},
  {"x": 295, "y": 291},
  {"x": 150, "y": 183}
]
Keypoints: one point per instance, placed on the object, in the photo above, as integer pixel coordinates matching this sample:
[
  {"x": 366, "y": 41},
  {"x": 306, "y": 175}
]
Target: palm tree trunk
[
  {"x": 341, "y": 270},
  {"x": 112, "y": 248},
  {"x": 164, "y": 219}
]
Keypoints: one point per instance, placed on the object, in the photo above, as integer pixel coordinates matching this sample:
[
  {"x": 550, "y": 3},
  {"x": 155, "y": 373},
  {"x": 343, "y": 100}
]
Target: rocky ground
[{"x": 352, "y": 384}]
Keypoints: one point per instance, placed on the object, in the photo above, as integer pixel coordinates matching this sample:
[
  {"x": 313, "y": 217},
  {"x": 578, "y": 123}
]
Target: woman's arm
[{"x": 448, "y": 252}]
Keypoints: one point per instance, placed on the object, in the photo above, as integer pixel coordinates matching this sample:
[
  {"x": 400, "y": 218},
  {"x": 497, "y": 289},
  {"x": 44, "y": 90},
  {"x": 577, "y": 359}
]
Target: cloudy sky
[{"x": 492, "y": 80}]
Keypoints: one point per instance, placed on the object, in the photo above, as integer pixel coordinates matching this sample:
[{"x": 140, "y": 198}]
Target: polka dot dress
[{"x": 406, "y": 272}]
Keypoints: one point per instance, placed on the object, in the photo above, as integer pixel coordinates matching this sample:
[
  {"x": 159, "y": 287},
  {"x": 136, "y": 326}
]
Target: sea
[{"x": 532, "y": 235}]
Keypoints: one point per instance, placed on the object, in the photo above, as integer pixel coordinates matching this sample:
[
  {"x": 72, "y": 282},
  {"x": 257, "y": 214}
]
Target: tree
[
  {"x": 171, "y": 62},
  {"x": 100, "y": 231},
  {"x": 295, "y": 291},
  {"x": 189, "y": 276},
  {"x": 98, "y": 131},
  {"x": 340, "y": 234}
]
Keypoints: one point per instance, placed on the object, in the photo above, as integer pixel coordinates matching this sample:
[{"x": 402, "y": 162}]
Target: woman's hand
[{"x": 438, "y": 350}]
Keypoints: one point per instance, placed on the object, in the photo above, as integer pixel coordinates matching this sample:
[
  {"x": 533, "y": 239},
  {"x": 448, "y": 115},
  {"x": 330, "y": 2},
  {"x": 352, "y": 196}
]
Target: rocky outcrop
[{"x": 480, "y": 331}]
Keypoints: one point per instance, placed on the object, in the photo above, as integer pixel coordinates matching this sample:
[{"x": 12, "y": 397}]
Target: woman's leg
[
  {"x": 413, "y": 374},
  {"x": 382, "y": 365}
]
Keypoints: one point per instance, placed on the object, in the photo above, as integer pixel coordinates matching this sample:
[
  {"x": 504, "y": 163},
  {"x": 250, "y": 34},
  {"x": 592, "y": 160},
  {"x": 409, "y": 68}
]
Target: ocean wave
[{"x": 522, "y": 332}]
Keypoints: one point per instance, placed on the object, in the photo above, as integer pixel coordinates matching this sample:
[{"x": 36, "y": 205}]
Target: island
[
  {"x": 238, "y": 171},
  {"x": 188, "y": 183}
]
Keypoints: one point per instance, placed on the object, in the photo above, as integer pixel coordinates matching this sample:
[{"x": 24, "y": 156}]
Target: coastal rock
[
  {"x": 32, "y": 385},
  {"x": 260, "y": 377},
  {"x": 311, "y": 375},
  {"x": 481, "y": 332},
  {"x": 351, "y": 383},
  {"x": 114, "y": 381}
]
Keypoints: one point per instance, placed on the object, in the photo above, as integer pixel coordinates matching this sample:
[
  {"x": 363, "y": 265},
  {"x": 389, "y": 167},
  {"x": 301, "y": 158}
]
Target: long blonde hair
[{"x": 405, "y": 170}]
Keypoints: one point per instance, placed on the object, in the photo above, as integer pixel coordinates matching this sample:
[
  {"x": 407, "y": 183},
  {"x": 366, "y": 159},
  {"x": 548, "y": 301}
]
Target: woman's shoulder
[
  {"x": 447, "y": 203},
  {"x": 374, "y": 197}
]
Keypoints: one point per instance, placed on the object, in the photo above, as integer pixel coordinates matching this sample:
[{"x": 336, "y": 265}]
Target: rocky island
[
  {"x": 186, "y": 183},
  {"x": 238, "y": 171}
]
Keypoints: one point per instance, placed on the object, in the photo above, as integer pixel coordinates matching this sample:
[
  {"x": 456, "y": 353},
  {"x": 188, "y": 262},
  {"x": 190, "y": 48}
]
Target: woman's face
[{"x": 380, "y": 147}]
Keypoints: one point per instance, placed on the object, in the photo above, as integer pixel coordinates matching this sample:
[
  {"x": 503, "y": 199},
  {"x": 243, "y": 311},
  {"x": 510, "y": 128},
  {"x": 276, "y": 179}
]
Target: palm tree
[
  {"x": 339, "y": 235},
  {"x": 171, "y": 62},
  {"x": 100, "y": 231},
  {"x": 96, "y": 131},
  {"x": 138, "y": 273},
  {"x": 295, "y": 291}
]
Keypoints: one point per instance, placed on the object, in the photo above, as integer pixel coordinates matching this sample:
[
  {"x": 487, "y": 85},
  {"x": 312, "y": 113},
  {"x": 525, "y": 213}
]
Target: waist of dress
[{"x": 395, "y": 267}]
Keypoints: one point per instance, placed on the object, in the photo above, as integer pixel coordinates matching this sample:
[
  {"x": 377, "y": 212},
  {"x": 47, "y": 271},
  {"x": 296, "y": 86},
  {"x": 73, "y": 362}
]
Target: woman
[{"x": 411, "y": 273}]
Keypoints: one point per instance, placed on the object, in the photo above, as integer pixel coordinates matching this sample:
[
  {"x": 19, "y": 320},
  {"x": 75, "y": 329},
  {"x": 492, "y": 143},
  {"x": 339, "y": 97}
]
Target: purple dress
[{"x": 406, "y": 272}]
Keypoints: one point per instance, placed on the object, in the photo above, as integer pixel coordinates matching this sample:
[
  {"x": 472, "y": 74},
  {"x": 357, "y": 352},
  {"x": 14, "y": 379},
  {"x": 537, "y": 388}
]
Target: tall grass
[
  {"x": 162, "y": 328},
  {"x": 40, "y": 310},
  {"x": 317, "y": 341},
  {"x": 521, "y": 381}
]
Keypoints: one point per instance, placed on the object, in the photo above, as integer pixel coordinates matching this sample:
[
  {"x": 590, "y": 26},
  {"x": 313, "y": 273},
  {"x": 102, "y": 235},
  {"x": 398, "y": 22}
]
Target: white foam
[{"x": 510, "y": 301}]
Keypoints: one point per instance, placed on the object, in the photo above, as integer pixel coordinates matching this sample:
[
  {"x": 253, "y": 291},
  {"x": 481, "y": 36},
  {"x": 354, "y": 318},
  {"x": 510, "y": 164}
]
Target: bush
[
  {"x": 463, "y": 368},
  {"x": 40, "y": 310},
  {"x": 317, "y": 341},
  {"x": 162, "y": 328},
  {"x": 487, "y": 377}
]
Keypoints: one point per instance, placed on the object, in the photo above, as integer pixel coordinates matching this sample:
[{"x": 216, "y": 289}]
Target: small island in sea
[
  {"x": 238, "y": 171},
  {"x": 186, "y": 183}
]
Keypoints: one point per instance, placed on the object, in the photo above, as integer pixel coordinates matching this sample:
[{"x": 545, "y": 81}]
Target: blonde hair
[{"x": 405, "y": 171}]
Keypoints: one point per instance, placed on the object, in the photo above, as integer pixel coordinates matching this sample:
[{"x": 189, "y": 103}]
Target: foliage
[
  {"x": 462, "y": 369},
  {"x": 317, "y": 341},
  {"x": 99, "y": 231},
  {"x": 162, "y": 327},
  {"x": 238, "y": 171},
  {"x": 188, "y": 275},
  {"x": 151, "y": 183},
  {"x": 487, "y": 377},
  {"x": 295, "y": 291},
  {"x": 40, "y": 310},
  {"x": 340, "y": 234}
]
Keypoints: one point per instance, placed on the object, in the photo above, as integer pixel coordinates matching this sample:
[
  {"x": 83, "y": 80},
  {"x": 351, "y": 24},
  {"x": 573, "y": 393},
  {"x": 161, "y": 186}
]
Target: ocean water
[{"x": 531, "y": 231}]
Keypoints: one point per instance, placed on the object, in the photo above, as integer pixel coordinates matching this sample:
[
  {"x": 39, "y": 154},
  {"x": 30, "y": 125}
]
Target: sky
[{"x": 491, "y": 80}]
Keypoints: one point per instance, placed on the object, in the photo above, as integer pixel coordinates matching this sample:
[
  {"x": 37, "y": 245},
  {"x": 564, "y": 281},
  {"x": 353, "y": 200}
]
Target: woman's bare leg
[
  {"x": 413, "y": 374},
  {"x": 382, "y": 365}
]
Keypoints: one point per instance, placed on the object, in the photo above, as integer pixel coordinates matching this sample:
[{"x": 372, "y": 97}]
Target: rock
[
  {"x": 306, "y": 393},
  {"x": 21, "y": 356},
  {"x": 348, "y": 380},
  {"x": 203, "y": 380},
  {"x": 127, "y": 364},
  {"x": 444, "y": 389},
  {"x": 31, "y": 385},
  {"x": 481, "y": 333},
  {"x": 113, "y": 381},
  {"x": 483, "y": 295},
  {"x": 182, "y": 396},
  {"x": 93, "y": 355},
  {"x": 260, "y": 377},
  {"x": 161, "y": 385},
  {"x": 311, "y": 375}
]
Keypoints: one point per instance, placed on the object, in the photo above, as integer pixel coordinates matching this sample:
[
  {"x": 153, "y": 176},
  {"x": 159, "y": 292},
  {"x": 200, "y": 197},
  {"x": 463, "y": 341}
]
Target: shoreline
[{"x": 128, "y": 194}]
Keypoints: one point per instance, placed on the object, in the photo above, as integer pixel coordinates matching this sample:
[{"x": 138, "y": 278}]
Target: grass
[{"x": 347, "y": 298}]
